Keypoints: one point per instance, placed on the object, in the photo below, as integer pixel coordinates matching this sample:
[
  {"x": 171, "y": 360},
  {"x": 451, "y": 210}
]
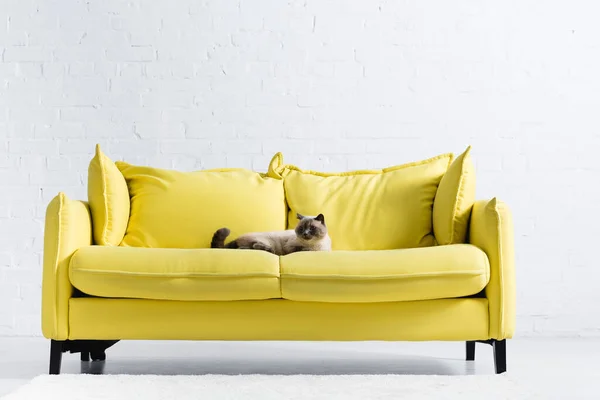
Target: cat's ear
[
  {"x": 320, "y": 218},
  {"x": 299, "y": 216}
]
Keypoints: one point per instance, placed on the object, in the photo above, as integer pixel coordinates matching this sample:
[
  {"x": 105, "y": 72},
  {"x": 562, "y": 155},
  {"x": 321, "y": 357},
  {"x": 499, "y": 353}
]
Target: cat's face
[{"x": 311, "y": 229}]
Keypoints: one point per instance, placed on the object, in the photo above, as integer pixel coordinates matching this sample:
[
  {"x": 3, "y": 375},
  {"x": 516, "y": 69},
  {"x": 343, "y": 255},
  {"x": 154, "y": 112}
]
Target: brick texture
[{"x": 334, "y": 84}]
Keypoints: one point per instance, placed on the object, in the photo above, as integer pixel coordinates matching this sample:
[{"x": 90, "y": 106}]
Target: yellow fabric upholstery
[
  {"x": 68, "y": 227},
  {"x": 455, "y": 319},
  {"x": 275, "y": 166},
  {"x": 454, "y": 200},
  {"x": 395, "y": 285},
  {"x": 384, "y": 275},
  {"x": 492, "y": 231},
  {"x": 175, "y": 274},
  {"x": 371, "y": 209},
  {"x": 184, "y": 209},
  {"x": 109, "y": 200}
]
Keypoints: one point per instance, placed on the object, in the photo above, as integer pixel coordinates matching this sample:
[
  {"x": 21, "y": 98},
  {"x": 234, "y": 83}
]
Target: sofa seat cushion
[
  {"x": 384, "y": 275},
  {"x": 175, "y": 274}
]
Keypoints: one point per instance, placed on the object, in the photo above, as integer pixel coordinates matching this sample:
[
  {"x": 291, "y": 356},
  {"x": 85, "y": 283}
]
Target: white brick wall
[{"x": 336, "y": 85}]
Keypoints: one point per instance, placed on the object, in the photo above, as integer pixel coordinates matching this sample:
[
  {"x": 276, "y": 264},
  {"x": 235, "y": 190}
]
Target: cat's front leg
[{"x": 262, "y": 246}]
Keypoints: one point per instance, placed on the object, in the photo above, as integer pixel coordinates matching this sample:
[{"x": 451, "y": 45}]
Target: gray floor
[{"x": 565, "y": 363}]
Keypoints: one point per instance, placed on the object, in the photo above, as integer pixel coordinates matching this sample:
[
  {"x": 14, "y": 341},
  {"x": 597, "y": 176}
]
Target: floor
[{"x": 569, "y": 365}]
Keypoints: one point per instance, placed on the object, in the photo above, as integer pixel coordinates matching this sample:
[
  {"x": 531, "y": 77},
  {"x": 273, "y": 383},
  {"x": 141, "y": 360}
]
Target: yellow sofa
[{"x": 154, "y": 278}]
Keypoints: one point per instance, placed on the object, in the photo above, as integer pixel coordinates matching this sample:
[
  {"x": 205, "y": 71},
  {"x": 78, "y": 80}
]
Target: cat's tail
[{"x": 218, "y": 239}]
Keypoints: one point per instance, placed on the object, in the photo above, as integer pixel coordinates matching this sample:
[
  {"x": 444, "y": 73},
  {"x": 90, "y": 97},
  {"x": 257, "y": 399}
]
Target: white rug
[{"x": 267, "y": 387}]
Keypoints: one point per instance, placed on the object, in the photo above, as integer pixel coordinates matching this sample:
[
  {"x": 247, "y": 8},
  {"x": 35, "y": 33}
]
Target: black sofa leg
[
  {"x": 499, "y": 347},
  {"x": 56, "y": 350},
  {"x": 97, "y": 348},
  {"x": 500, "y": 355},
  {"x": 89, "y": 349},
  {"x": 470, "y": 351}
]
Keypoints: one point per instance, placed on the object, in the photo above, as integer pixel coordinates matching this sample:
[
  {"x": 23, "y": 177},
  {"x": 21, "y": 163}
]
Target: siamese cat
[{"x": 309, "y": 235}]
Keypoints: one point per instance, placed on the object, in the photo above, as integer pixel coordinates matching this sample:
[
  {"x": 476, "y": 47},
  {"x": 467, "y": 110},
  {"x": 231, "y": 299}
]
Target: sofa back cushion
[
  {"x": 372, "y": 209},
  {"x": 174, "y": 209},
  {"x": 109, "y": 200},
  {"x": 454, "y": 201}
]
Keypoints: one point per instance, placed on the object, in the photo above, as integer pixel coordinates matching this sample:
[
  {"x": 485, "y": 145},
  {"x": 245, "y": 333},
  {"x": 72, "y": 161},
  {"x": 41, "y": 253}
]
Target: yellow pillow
[
  {"x": 370, "y": 209},
  {"x": 109, "y": 200},
  {"x": 174, "y": 209},
  {"x": 454, "y": 200}
]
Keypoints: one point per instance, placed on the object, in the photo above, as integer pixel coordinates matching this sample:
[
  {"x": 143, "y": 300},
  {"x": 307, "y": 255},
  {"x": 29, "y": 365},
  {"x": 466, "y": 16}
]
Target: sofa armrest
[
  {"x": 68, "y": 227},
  {"x": 492, "y": 231}
]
